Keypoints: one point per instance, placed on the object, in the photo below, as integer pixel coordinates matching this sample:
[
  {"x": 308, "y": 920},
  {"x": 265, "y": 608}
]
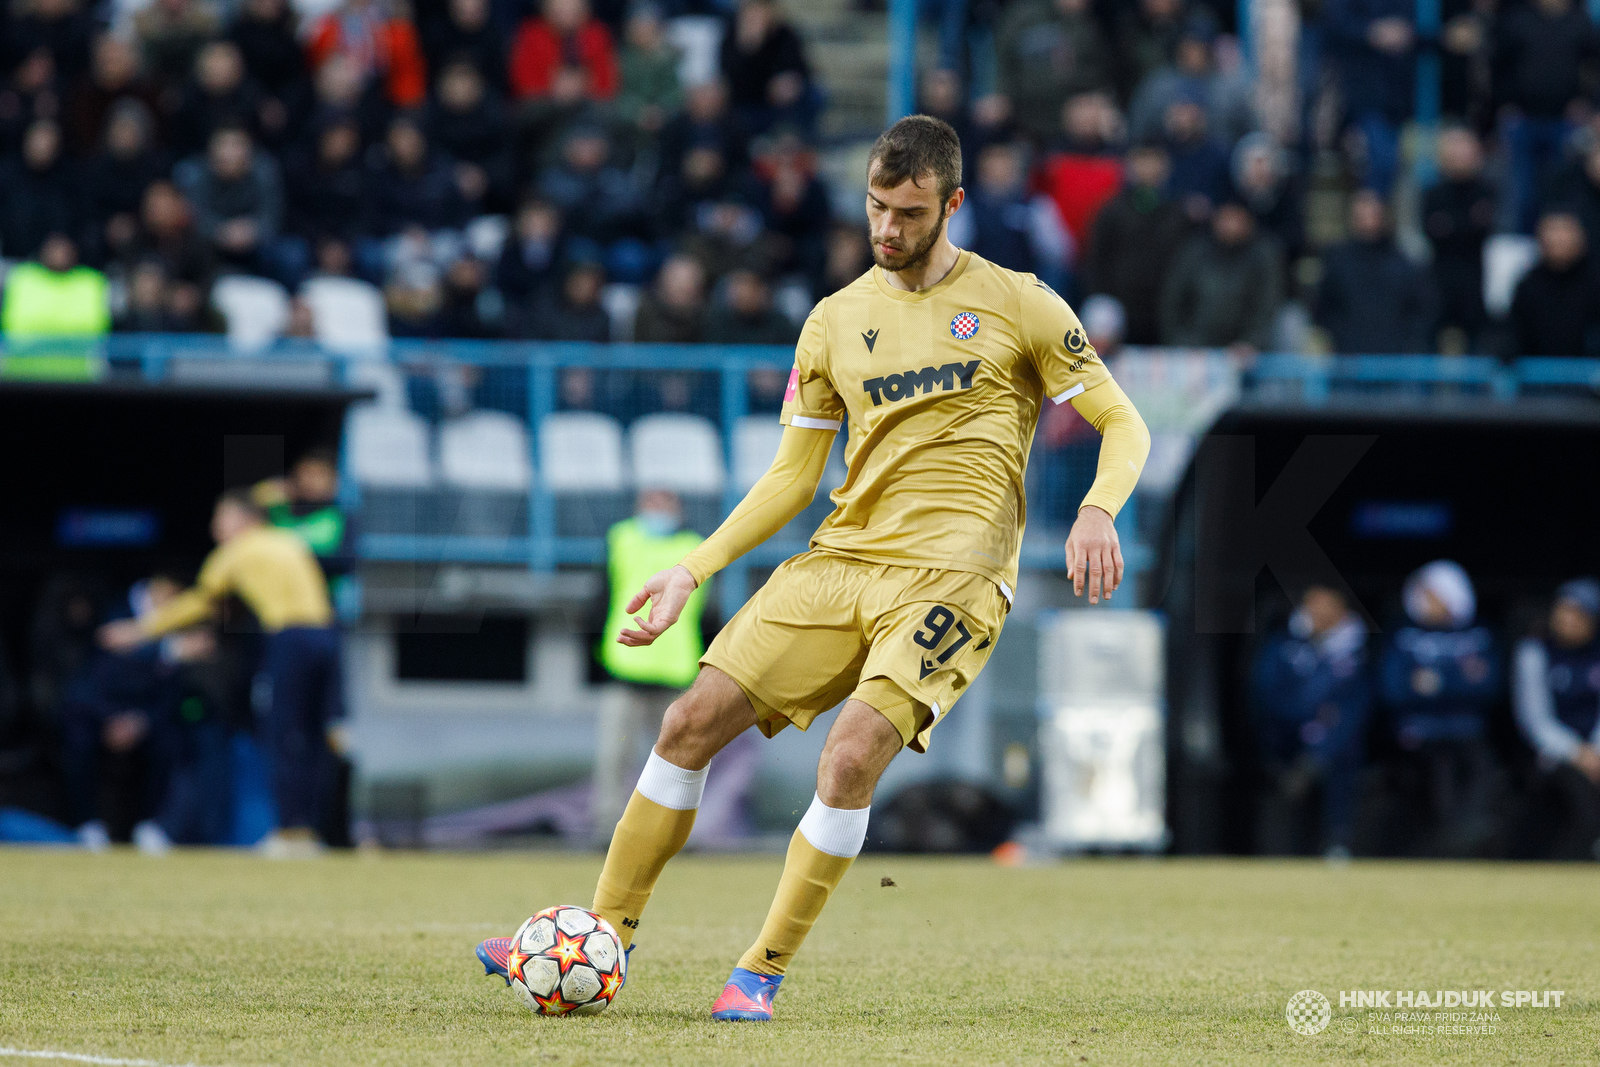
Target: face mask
[{"x": 659, "y": 523}]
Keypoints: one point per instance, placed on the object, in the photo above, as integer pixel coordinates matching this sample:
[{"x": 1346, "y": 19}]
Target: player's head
[
  {"x": 1321, "y": 609},
  {"x": 1575, "y": 613},
  {"x": 235, "y": 513},
  {"x": 315, "y": 477},
  {"x": 913, "y": 185}
]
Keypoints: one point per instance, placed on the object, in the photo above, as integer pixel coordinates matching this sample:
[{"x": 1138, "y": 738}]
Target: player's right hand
[{"x": 666, "y": 591}]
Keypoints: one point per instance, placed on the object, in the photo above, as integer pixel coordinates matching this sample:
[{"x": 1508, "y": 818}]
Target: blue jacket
[
  {"x": 1373, "y": 80},
  {"x": 1312, "y": 694},
  {"x": 1439, "y": 684}
]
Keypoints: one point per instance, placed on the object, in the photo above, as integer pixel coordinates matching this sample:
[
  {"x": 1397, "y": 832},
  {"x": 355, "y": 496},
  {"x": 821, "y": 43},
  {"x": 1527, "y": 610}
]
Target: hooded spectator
[
  {"x": 1136, "y": 237},
  {"x": 764, "y": 61},
  {"x": 1556, "y": 697},
  {"x": 382, "y": 44},
  {"x": 42, "y": 194},
  {"x": 1372, "y": 298},
  {"x": 1457, "y": 216},
  {"x": 237, "y": 197},
  {"x": 745, "y": 315},
  {"x": 1049, "y": 51},
  {"x": 673, "y": 311},
  {"x": 1006, "y": 223},
  {"x": 564, "y": 35},
  {"x": 1225, "y": 286},
  {"x": 1556, "y": 308}
]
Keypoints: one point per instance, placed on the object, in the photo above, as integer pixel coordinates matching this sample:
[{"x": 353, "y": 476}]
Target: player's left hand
[
  {"x": 667, "y": 592},
  {"x": 1094, "y": 555},
  {"x": 124, "y": 635}
]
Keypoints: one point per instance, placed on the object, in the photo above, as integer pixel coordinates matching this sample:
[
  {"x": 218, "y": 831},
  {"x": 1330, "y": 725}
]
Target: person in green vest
[
  {"x": 54, "y": 299},
  {"x": 306, "y": 502},
  {"x": 648, "y": 678}
]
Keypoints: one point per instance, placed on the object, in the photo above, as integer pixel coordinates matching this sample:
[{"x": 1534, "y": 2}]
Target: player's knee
[
  {"x": 692, "y": 729},
  {"x": 847, "y": 773}
]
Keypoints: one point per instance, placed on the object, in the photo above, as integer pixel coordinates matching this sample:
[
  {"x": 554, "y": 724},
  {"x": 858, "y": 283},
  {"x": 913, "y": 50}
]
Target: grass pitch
[{"x": 220, "y": 959}]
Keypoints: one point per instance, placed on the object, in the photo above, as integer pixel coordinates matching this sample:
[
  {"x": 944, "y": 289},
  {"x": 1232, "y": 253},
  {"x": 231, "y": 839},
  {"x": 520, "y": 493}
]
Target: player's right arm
[{"x": 812, "y": 414}]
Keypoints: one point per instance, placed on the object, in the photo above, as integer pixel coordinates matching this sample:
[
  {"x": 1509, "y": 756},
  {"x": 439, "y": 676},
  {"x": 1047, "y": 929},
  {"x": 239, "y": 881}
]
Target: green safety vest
[
  {"x": 42, "y": 304},
  {"x": 632, "y": 556},
  {"x": 322, "y": 529}
]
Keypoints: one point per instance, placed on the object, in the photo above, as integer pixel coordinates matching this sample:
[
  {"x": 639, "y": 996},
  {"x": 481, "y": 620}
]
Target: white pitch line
[{"x": 79, "y": 1057}]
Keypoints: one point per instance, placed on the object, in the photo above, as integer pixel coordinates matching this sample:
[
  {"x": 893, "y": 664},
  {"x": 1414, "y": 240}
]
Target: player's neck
[{"x": 941, "y": 261}]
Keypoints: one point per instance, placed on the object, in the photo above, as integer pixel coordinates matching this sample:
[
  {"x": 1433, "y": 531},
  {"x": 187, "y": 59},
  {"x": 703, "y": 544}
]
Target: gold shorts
[{"x": 826, "y": 627}]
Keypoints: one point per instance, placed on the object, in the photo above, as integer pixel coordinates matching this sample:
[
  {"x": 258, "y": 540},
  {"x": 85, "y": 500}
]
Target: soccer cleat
[
  {"x": 494, "y": 954},
  {"x": 747, "y": 997}
]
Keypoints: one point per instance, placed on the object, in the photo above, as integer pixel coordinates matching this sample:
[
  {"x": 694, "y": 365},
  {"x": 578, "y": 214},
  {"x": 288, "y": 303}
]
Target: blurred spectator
[
  {"x": 115, "y": 76},
  {"x": 32, "y": 95},
  {"x": 42, "y": 194},
  {"x": 563, "y": 36},
  {"x": 649, "y": 72},
  {"x": 61, "y": 639},
  {"x": 237, "y": 198},
  {"x": 1465, "y": 47},
  {"x": 1225, "y": 286},
  {"x": 115, "y": 179},
  {"x": 1375, "y": 42},
  {"x": 54, "y": 297},
  {"x": 985, "y": 122},
  {"x": 727, "y": 234},
  {"x": 1048, "y": 52},
  {"x": 1576, "y": 187},
  {"x": 219, "y": 94},
  {"x": 171, "y": 33},
  {"x": 1136, "y": 237},
  {"x": 469, "y": 309},
  {"x": 1312, "y": 696},
  {"x": 1005, "y": 223},
  {"x": 1263, "y": 180},
  {"x": 1199, "y": 161},
  {"x": 1147, "y": 38},
  {"x": 1544, "y": 53},
  {"x": 769, "y": 80},
  {"x": 412, "y": 185},
  {"x": 340, "y": 92},
  {"x": 794, "y": 206},
  {"x": 574, "y": 312},
  {"x": 1192, "y": 76},
  {"x": 745, "y": 316},
  {"x": 413, "y": 291},
  {"x": 1084, "y": 170},
  {"x": 1373, "y": 299},
  {"x": 1438, "y": 678},
  {"x": 60, "y": 29},
  {"x": 849, "y": 257},
  {"x": 673, "y": 311},
  {"x": 146, "y": 310},
  {"x": 307, "y": 503},
  {"x": 167, "y": 231},
  {"x": 1556, "y": 695},
  {"x": 599, "y": 200},
  {"x": 382, "y": 44},
  {"x": 326, "y": 185},
  {"x": 467, "y": 33},
  {"x": 705, "y": 122},
  {"x": 1556, "y": 308},
  {"x": 264, "y": 32},
  {"x": 701, "y": 180},
  {"x": 1457, "y": 215},
  {"x": 530, "y": 259},
  {"x": 472, "y": 127}
]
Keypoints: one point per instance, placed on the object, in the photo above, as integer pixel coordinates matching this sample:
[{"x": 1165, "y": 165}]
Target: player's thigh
[
  {"x": 796, "y": 647},
  {"x": 929, "y": 642}
]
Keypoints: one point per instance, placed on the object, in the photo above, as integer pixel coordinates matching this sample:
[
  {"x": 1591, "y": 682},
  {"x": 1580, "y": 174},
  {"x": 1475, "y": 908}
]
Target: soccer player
[
  {"x": 941, "y": 361},
  {"x": 277, "y": 577}
]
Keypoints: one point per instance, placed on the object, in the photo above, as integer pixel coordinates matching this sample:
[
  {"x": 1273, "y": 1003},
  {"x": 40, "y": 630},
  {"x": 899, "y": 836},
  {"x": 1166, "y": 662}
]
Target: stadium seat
[
  {"x": 698, "y": 39},
  {"x": 580, "y": 461},
  {"x": 485, "y": 466},
  {"x": 390, "y": 459},
  {"x": 347, "y": 314},
  {"x": 621, "y": 302},
  {"x": 755, "y": 443},
  {"x": 682, "y": 453},
  {"x": 256, "y": 309},
  {"x": 1506, "y": 258}
]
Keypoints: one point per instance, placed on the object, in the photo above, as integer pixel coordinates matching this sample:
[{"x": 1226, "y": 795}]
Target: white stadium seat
[
  {"x": 485, "y": 450},
  {"x": 347, "y": 315},
  {"x": 388, "y": 447},
  {"x": 581, "y": 452},
  {"x": 1506, "y": 258},
  {"x": 755, "y": 443},
  {"x": 256, "y": 309},
  {"x": 621, "y": 302},
  {"x": 678, "y": 452}
]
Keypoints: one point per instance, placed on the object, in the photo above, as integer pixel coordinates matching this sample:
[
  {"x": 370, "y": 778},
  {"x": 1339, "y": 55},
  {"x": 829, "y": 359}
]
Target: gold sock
[
  {"x": 809, "y": 877},
  {"x": 647, "y": 836}
]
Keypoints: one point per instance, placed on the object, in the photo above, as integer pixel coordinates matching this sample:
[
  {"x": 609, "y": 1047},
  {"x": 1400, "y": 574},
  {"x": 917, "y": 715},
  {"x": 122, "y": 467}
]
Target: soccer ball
[{"x": 566, "y": 960}]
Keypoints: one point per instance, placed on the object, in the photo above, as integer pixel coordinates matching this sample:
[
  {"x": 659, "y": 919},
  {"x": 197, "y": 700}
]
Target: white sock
[
  {"x": 836, "y": 831},
  {"x": 672, "y": 786}
]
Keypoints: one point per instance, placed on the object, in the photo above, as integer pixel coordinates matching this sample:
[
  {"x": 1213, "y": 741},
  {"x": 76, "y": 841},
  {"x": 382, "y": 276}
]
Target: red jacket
[
  {"x": 1080, "y": 185},
  {"x": 536, "y": 55},
  {"x": 400, "y": 61}
]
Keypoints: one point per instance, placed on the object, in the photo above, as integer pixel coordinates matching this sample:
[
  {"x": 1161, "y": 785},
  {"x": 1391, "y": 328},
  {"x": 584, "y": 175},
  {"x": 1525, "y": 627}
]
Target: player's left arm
[{"x": 1072, "y": 370}]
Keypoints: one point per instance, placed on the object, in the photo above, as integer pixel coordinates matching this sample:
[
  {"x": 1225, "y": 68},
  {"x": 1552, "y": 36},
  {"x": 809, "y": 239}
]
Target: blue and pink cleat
[
  {"x": 747, "y": 997},
  {"x": 495, "y": 955}
]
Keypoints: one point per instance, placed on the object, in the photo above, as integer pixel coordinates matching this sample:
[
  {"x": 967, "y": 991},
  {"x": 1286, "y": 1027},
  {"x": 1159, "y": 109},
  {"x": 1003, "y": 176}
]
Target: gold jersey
[{"x": 942, "y": 389}]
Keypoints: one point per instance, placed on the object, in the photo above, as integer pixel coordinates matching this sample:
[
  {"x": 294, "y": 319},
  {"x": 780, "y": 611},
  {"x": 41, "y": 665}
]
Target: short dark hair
[{"x": 915, "y": 146}]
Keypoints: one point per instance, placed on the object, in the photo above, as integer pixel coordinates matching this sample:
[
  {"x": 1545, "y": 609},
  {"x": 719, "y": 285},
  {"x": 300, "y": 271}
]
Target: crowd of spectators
[
  {"x": 1385, "y": 746},
  {"x": 1120, "y": 149}
]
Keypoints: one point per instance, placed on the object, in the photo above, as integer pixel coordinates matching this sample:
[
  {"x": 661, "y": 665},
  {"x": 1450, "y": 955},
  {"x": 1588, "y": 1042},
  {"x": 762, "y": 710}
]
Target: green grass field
[{"x": 213, "y": 959}]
